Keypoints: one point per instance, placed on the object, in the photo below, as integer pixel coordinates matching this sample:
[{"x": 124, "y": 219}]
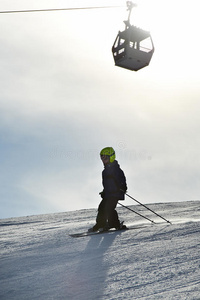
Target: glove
[{"x": 101, "y": 194}]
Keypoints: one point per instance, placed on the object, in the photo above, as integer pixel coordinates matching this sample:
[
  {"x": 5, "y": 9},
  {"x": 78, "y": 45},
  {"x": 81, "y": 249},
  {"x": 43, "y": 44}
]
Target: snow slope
[{"x": 39, "y": 260}]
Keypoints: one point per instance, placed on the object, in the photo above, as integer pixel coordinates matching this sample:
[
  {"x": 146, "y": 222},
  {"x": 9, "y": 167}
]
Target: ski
[{"x": 86, "y": 233}]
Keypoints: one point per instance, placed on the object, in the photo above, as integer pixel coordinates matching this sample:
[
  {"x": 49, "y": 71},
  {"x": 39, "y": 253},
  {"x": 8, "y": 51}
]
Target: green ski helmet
[{"x": 109, "y": 151}]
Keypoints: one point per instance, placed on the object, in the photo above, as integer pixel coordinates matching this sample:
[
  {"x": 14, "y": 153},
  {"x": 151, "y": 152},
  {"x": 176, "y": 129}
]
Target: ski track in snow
[{"x": 39, "y": 260}]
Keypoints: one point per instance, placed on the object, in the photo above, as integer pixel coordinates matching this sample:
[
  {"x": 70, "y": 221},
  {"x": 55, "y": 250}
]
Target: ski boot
[{"x": 122, "y": 226}]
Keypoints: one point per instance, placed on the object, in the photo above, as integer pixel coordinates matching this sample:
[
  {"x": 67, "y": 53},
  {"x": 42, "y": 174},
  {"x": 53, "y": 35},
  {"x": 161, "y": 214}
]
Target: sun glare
[{"x": 173, "y": 26}]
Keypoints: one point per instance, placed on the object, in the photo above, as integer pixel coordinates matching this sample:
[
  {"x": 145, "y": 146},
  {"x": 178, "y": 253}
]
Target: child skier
[{"x": 114, "y": 188}]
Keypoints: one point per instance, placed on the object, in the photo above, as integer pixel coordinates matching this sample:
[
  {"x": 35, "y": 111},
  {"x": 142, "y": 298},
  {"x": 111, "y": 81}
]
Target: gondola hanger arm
[{"x": 130, "y": 6}]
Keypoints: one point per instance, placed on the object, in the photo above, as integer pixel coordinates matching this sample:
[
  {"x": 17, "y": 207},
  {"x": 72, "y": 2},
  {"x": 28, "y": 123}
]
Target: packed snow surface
[{"x": 39, "y": 260}]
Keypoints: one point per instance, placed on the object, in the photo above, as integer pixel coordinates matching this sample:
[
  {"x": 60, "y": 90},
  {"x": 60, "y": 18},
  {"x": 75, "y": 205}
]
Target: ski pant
[{"x": 107, "y": 215}]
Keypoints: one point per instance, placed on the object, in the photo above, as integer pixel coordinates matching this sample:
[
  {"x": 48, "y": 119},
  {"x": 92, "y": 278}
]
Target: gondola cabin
[{"x": 133, "y": 48}]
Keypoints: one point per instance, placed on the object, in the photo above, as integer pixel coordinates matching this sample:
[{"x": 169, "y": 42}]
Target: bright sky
[{"x": 63, "y": 100}]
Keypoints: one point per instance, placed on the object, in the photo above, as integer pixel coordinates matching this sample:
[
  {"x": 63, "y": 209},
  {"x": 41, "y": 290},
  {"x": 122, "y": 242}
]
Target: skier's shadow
[{"x": 92, "y": 271}]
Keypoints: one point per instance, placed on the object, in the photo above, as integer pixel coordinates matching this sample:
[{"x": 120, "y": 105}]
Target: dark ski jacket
[{"x": 113, "y": 180}]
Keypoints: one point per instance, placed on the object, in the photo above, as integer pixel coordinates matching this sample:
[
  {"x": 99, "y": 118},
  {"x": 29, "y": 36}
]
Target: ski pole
[
  {"x": 148, "y": 209},
  {"x": 136, "y": 213}
]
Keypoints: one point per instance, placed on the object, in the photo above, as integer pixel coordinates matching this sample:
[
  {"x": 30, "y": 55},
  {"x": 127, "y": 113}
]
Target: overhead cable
[{"x": 53, "y": 9}]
